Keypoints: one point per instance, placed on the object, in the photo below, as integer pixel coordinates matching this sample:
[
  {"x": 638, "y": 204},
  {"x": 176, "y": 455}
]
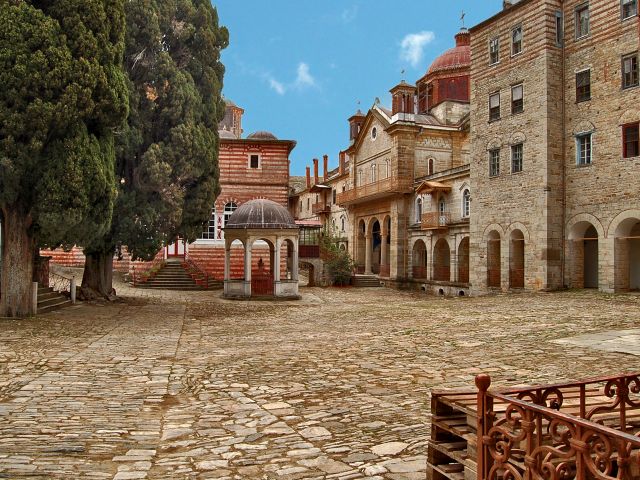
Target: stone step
[{"x": 56, "y": 306}]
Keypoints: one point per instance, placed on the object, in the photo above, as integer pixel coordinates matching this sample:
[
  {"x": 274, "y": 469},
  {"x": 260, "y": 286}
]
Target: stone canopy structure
[{"x": 263, "y": 221}]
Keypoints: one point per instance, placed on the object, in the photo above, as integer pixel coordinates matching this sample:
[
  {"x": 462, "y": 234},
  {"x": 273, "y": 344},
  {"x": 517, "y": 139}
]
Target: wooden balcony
[
  {"x": 371, "y": 191},
  {"x": 320, "y": 208},
  {"x": 435, "y": 221}
]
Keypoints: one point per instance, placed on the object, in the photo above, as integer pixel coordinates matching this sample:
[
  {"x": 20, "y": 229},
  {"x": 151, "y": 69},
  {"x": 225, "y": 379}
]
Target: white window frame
[
  {"x": 493, "y": 95},
  {"x": 521, "y": 157},
  {"x": 521, "y": 86},
  {"x": 513, "y": 30},
  {"x": 251, "y": 154},
  {"x": 497, "y": 42},
  {"x": 578, "y": 9},
  {"x": 588, "y": 161},
  {"x": 628, "y": 2},
  {"x": 466, "y": 203},
  {"x": 493, "y": 174}
]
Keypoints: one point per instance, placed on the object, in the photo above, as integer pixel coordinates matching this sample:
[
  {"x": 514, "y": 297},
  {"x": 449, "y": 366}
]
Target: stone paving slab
[
  {"x": 619, "y": 341},
  {"x": 186, "y": 385}
]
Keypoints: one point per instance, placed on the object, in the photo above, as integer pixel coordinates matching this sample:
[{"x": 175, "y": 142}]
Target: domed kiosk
[{"x": 265, "y": 221}]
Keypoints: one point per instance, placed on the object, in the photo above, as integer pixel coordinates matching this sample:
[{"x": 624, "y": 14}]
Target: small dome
[
  {"x": 454, "y": 58},
  {"x": 261, "y": 213},
  {"x": 226, "y": 134},
  {"x": 262, "y": 135}
]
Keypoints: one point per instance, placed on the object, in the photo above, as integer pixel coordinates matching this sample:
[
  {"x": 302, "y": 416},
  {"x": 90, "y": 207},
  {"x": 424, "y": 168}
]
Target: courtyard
[{"x": 187, "y": 385}]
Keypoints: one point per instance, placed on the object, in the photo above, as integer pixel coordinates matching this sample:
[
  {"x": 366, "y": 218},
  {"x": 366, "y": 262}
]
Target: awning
[
  {"x": 309, "y": 223},
  {"x": 318, "y": 188},
  {"x": 430, "y": 186}
]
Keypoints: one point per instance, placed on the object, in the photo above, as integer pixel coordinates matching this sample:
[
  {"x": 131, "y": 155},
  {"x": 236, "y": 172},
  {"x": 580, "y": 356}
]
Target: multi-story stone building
[
  {"x": 555, "y": 157},
  {"x": 407, "y": 193}
]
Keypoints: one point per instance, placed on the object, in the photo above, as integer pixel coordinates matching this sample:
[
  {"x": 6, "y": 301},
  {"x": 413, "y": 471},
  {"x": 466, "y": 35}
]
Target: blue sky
[{"x": 299, "y": 68}]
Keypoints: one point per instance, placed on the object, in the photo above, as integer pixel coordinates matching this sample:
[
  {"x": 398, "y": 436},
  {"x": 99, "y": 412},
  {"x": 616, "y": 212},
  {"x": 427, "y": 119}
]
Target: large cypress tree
[
  {"x": 167, "y": 154},
  {"x": 63, "y": 93}
]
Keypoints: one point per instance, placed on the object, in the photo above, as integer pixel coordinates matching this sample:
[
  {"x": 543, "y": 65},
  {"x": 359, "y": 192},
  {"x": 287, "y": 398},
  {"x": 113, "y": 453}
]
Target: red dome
[{"x": 454, "y": 58}]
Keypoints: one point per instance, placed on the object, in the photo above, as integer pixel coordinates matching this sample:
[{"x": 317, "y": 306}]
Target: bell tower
[{"x": 403, "y": 98}]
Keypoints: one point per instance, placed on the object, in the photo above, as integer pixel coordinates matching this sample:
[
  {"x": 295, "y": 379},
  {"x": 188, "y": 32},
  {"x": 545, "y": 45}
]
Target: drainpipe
[{"x": 564, "y": 160}]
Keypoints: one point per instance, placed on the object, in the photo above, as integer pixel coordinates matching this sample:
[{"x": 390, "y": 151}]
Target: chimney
[
  {"x": 341, "y": 164},
  {"x": 308, "y": 177},
  {"x": 325, "y": 175},
  {"x": 315, "y": 171}
]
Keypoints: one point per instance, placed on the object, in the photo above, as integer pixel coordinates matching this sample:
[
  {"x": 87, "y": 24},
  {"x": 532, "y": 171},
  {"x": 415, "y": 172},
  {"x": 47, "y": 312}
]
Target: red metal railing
[
  {"x": 388, "y": 185},
  {"x": 197, "y": 272},
  {"x": 583, "y": 430},
  {"x": 419, "y": 272},
  {"x": 145, "y": 273}
]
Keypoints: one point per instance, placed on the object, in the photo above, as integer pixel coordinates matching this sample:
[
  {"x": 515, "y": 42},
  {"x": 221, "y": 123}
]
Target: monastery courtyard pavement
[{"x": 186, "y": 385}]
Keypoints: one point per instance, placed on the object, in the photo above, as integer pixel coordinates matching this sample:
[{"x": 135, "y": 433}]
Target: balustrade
[{"x": 435, "y": 220}]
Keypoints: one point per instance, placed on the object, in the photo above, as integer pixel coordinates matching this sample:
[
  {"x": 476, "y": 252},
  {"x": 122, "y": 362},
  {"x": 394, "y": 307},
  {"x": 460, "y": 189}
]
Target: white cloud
[
  {"x": 349, "y": 14},
  {"x": 412, "y": 46},
  {"x": 277, "y": 86},
  {"x": 304, "y": 78}
]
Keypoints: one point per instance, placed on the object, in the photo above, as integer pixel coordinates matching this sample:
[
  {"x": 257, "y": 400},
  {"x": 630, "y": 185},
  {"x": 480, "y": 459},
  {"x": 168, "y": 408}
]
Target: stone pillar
[
  {"x": 384, "y": 249},
  {"x": 453, "y": 263},
  {"x": 606, "y": 261},
  {"x": 294, "y": 267},
  {"x": 368, "y": 254},
  {"x": 276, "y": 260},
  {"x": 247, "y": 261},
  {"x": 227, "y": 261}
]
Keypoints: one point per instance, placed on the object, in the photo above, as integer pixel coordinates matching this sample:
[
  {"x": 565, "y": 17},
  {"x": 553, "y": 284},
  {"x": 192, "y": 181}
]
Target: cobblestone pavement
[{"x": 186, "y": 385}]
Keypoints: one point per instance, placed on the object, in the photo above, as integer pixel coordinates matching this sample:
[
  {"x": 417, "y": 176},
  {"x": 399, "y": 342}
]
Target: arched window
[
  {"x": 342, "y": 222},
  {"x": 442, "y": 206},
  {"x": 360, "y": 177},
  {"x": 466, "y": 203},
  {"x": 387, "y": 168},
  {"x": 373, "y": 173},
  {"x": 430, "y": 167},
  {"x": 418, "y": 210}
]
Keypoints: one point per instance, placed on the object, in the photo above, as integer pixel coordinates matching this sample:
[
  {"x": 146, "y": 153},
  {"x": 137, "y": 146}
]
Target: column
[
  {"x": 294, "y": 267},
  {"x": 227, "y": 261},
  {"x": 276, "y": 260},
  {"x": 368, "y": 254},
  {"x": 247, "y": 260},
  {"x": 384, "y": 249}
]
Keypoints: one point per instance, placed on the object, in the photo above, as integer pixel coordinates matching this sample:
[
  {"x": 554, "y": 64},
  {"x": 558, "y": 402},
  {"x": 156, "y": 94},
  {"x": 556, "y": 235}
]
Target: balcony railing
[
  {"x": 435, "y": 220},
  {"x": 318, "y": 208},
  {"x": 376, "y": 189},
  {"x": 583, "y": 430}
]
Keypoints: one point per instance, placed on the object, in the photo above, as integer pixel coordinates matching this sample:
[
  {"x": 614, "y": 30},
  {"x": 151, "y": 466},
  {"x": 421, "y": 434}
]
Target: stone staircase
[
  {"x": 172, "y": 276},
  {"x": 49, "y": 300},
  {"x": 366, "y": 281}
]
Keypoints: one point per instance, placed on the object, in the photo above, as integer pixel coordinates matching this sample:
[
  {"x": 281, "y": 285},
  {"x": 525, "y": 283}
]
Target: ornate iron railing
[
  {"x": 144, "y": 273},
  {"x": 435, "y": 220},
  {"x": 567, "y": 431}
]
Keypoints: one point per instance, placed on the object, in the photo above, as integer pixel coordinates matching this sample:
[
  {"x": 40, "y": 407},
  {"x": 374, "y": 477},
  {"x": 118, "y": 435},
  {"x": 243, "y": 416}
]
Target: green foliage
[
  {"x": 63, "y": 94},
  {"x": 338, "y": 262},
  {"x": 167, "y": 162}
]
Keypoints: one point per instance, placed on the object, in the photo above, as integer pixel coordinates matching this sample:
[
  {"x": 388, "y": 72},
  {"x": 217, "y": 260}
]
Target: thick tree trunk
[
  {"x": 97, "y": 280},
  {"x": 17, "y": 264}
]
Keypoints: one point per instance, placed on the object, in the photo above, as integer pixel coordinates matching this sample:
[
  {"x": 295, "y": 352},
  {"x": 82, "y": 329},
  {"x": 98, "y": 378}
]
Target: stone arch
[
  {"x": 376, "y": 234},
  {"x": 493, "y": 241},
  {"x": 463, "y": 260},
  {"x": 385, "y": 246},
  {"x": 584, "y": 126},
  {"x": 419, "y": 259},
  {"x": 631, "y": 115},
  {"x": 361, "y": 245},
  {"x": 442, "y": 260},
  {"x": 584, "y": 234},
  {"x": 517, "y": 244},
  {"x": 310, "y": 273},
  {"x": 494, "y": 226},
  {"x": 494, "y": 143},
  {"x": 518, "y": 226},
  {"x": 517, "y": 137},
  {"x": 625, "y": 229}
]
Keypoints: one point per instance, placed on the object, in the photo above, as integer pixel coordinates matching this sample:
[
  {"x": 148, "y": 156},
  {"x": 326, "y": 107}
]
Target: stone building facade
[
  {"x": 554, "y": 135},
  {"x": 407, "y": 176}
]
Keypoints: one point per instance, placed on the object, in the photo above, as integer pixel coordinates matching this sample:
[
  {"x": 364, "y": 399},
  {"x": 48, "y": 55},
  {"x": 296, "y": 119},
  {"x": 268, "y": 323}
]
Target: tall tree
[
  {"x": 63, "y": 94},
  {"x": 167, "y": 154}
]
